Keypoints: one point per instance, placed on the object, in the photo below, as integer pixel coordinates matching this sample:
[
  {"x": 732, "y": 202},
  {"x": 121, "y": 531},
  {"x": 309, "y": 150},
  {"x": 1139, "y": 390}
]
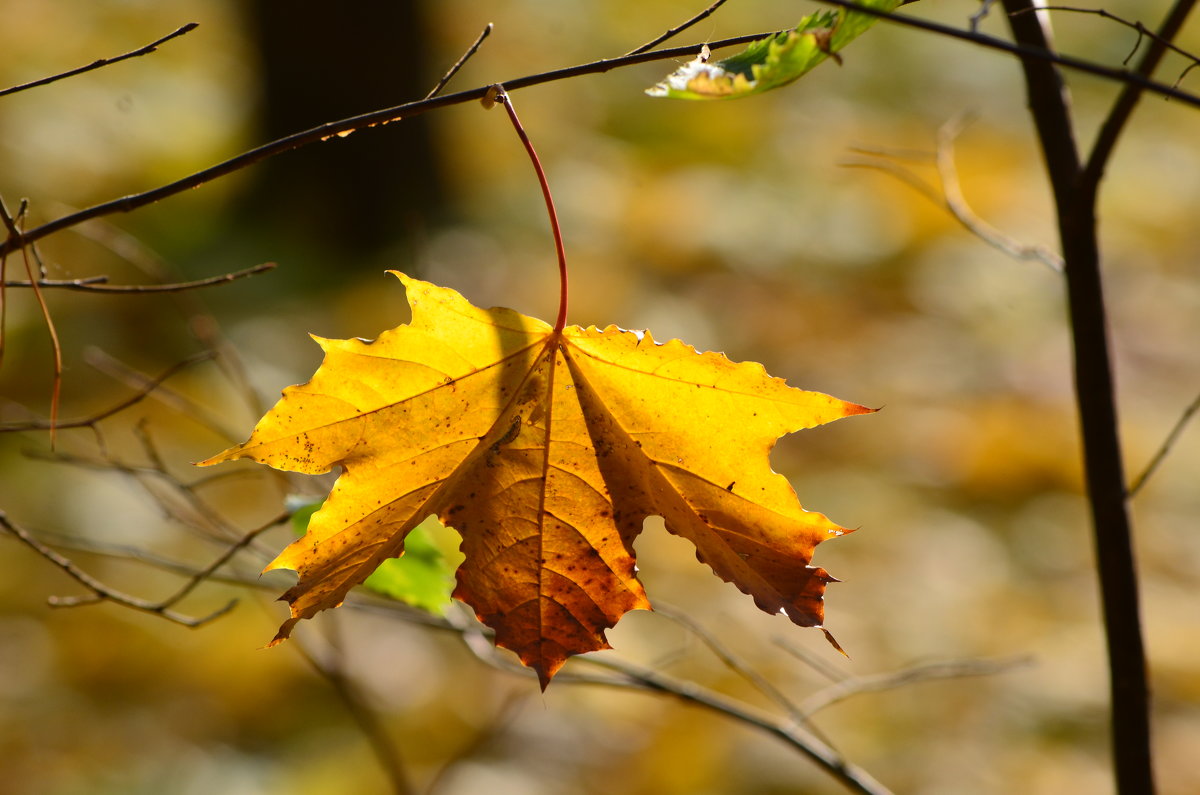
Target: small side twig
[
  {"x": 1165, "y": 447},
  {"x": 99, "y": 284},
  {"x": 331, "y": 130},
  {"x": 329, "y": 666},
  {"x": 628, "y": 675},
  {"x": 146, "y": 50},
  {"x": 957, "y": 204},
  {"x": 88, "y": 422},
  {"x": 466, "y": 56},
  {"x": 874, "y": 683},
  {"x": 985, "y": 7},
  {"x": 730, "y": 660},
  {"x": 1142, "y": 31},
  {"x": 949, "y": 196},
  {"x": 650, "y": 45},
  {"x": 99, "y": 591}
]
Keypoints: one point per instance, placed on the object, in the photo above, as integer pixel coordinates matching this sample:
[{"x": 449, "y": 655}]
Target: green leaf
[
  {"x": 771, "y": 62},
  {"x": 422, "y": 577}
]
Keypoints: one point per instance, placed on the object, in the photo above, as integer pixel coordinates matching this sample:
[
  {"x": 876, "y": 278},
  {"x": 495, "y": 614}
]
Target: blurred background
[{"x": 738, "y": 227}]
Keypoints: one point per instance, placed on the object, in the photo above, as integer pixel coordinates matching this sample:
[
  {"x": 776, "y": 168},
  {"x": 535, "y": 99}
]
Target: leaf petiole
[{"x": 497, "y": 94}]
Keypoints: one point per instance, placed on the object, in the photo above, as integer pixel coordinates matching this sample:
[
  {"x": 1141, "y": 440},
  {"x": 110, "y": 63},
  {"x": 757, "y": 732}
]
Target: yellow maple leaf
[{"x": 545, "y": 450}]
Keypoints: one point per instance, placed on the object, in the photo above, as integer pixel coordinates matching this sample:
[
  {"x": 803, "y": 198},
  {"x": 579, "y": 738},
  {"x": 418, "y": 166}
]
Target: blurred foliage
[{"x": 733, "y": 226}]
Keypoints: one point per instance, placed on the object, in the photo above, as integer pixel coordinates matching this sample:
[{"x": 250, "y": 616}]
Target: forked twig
[
  {"x": 478, "y": 641},
  {"x": 146, "y": 50},
  {"x": 1142, "y": 33},
  {"x": 386, "y": 115},
  {"x": 100, "y": 591}
]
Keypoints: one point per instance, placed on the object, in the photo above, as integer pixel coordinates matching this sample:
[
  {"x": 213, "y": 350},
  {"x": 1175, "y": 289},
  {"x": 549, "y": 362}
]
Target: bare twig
[
  {"x": 1122, "y": 109},
  {"x": 985, "y": 7},
  {"x": 800, "y": 739},
  {"x": 56, "y": 346},
  {"x": 98, "y": 284},
  {"x": 87, "y": 422},
  {"x": 466, "y": 56},
  {"x": 149, "y": 48},
  {"x": 874, "y": 683},
  {"x": 160, "y": 392},
  {"x": 822, "y": 668},
  {"x": 854, "y": 778},
  {"x": 957, "y": 204},
  {"x": 101, "y": 592},
  {"x": 342, "y": 127},
  {"x": 677, "y": 29},
  {"x": 1165, "y": 447},
  {"x": 331, "y": 668},
  {"x": 730, "y": 660},
  {"x": 1142, "y": 33},
  {"x": 949, "y": 194}
]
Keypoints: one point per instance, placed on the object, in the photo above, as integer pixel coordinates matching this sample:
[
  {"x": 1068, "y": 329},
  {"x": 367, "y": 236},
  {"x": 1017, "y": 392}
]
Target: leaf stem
[{"x": 498, "y": 94}]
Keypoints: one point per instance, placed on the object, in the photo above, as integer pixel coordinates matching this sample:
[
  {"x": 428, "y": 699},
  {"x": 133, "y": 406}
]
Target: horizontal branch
[
  {"x": 1024, "y": 51},
  {"x": 344, "y": 127},
  {"x": 99, "y": 284}
]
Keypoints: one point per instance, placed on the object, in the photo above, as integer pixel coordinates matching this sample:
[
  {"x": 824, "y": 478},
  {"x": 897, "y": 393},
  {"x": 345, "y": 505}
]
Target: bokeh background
[{"x": 735, "y": 226}]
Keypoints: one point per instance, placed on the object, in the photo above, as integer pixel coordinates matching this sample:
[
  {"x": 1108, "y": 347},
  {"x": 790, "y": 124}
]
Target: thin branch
[
  {"x": 949, "y": 195},
  {"x": 874, "y": 683},
  {"x": 1142, "y": 32},
  {"x": 1024, "y": 50},
  {"x": 731, "y": 660},
  {"x": 100, "y": 591},
  {"x": 957, "y": 204},
  {"x": 650, "y": 45},
  {"x": 1122, "y": 109},
  {"x": 118, "y": 370},
  {"x": 98, "y": 284},
  {"x": 477, "y": 640},
  {"x": 846, "y": 773},
  {"x": 466, "y": 56},
  {"x": 818, "y": 665},
  {"x": 985, "y": 7},
  {"x": 385, "y": 116},
  {"x": 1165, "y": 447},
  {"x": 1074, "y": 193},
  {"x": 330, "y": 667},
  {"x": 51, "y": 329},
  {"x": 140, "y": 395},
  {"x": 149, "y": 48},
  {"x": 343, "y": 127}
]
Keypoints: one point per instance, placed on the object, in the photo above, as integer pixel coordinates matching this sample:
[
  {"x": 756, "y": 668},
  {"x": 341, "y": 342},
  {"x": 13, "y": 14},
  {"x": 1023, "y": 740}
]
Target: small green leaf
[
  {"x": 421, "y": 577},
  {"x": 771, "y": 62}
]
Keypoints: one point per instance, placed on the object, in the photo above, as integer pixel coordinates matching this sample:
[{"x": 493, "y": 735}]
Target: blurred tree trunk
[{"x": 321, "y": 62}]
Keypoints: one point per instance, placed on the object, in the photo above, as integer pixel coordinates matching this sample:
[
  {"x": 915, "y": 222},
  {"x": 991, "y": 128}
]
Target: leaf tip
[{"x": 285, "y": 632}]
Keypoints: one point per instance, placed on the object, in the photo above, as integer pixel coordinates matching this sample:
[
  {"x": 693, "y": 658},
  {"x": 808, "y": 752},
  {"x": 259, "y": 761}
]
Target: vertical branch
[{"x": 1096, "y": 405}]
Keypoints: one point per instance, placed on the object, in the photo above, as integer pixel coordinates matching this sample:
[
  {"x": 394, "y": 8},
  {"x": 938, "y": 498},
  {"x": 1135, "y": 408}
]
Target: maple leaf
[{"x": 545, "y": 450}]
